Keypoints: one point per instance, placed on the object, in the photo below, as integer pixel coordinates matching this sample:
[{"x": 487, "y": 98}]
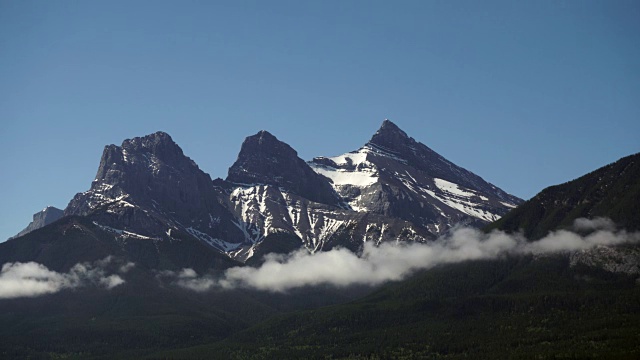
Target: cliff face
[{"x": 41, "y": 219}]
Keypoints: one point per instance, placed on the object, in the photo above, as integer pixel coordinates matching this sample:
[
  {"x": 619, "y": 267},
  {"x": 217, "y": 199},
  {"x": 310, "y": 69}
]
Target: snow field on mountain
[{"x": 341, "y": 177}]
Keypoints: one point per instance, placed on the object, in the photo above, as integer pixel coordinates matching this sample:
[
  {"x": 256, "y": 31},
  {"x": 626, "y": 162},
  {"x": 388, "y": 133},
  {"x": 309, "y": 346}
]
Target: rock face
[
  {"x": 625, "y": 260},
  {"x": 41, "y": 219},
  {"x": 395, "y": 176},
  {"x": 267, "y": 211}
]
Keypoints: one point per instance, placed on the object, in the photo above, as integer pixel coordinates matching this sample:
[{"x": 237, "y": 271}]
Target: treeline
[{"x": 460, "y": 311}]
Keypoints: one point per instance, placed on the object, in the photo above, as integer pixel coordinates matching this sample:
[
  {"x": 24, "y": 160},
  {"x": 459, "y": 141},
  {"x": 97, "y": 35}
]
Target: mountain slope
[
  {"x": 77, "y": 239},
  {"x": 612, "y": 191},
  {"x": 518, "y": 308}
]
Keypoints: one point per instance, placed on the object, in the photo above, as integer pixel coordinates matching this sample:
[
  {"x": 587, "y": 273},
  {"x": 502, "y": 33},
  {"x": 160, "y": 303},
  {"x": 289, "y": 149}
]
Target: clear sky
[{"x": 526, "y": 94}]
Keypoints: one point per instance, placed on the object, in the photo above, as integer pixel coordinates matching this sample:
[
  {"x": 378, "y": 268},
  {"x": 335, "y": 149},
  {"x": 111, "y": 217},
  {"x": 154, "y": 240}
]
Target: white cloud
[
  {"x": 29, "y": 279},
  {"x": 126, "y": 267},
  {"x": 111, "y": 281},
  {"x": 387, "y": 262},
  {"x": 33, "y": 279},
  {"x": 598, "y": 223}
]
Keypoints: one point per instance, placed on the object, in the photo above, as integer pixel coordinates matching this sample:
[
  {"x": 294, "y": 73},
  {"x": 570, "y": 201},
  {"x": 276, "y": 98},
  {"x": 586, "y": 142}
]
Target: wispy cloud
[
  {"x": 598, "y": 223},
  {"x": 32, "y": 279},
  {"x": 387, "y": 262}
]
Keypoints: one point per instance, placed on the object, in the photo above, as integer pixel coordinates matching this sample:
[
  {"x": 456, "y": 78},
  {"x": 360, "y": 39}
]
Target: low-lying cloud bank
[
  {"x": 387, "y": 262},
  {"x": 32, "y": 279}
]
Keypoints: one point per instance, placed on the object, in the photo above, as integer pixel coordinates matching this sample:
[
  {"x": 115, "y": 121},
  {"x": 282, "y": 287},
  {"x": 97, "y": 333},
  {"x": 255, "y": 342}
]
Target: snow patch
[
  {"x": 341, "y": 177},
  {"x": 466, "y": 207},
  {"x": 208, "y": 239},
  {"x": 124, "y": 233},
  {"x": 452, "y": 188}
]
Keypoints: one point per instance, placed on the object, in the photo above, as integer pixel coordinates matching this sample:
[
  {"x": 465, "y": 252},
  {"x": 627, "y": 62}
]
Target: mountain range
[{"x": 393, "y": 187}]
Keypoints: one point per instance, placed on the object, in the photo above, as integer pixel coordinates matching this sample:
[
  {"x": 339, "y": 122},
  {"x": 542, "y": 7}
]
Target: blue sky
[{"x": 525, "y": 94}]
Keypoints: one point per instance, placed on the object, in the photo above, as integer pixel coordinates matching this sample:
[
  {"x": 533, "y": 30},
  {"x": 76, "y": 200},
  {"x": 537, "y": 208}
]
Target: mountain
[
  {"x": 612, "y": 191},
  {"x": 396, "y": 176},
  {"x": 147, "y": 189},
  {"x": 42, "y": 218},
  {"x": 264, "y": 159}
]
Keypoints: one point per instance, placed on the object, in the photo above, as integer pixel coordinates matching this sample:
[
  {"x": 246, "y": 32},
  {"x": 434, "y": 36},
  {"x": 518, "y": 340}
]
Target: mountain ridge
[
  {"x": 147, "y": 188},
  {"x": 611, "y": 191}
]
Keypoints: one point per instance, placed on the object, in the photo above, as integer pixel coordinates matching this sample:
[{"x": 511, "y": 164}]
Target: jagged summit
[
  {"x": 265, "y": 143},
  {"x": 395, "y": 175},
  {"x": 42, "y": 218},
  {"x": 263, "y": 137},
  {"x": 159, "y": 143},
  {"x": 391, "y": 139},
  {"x": 150, "y": 188},
  {"x": 148, "y": 156},
  {"x": 152, "y": 141},
  {"x": 263, "y": 159},
  {"x": 389, "y": 127},
  {"x": 49, "y": 208},
  {"x": 389, "y": 136}
]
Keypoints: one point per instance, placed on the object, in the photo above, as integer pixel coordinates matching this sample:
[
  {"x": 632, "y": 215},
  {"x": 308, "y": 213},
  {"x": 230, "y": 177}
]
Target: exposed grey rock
[
  {"x": 264, "y": 211},
  {"x": 616, "y": 259},
  {"x": 41, "y": 219}
]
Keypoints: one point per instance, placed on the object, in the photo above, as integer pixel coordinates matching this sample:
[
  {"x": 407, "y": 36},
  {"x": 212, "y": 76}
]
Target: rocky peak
[
  {"x": 42, "y": 218},
  {"x": 155, "y": 154},
  {"x": 159, "y": 144},
  {"x": 390, "y": 137},
  {"x": 145, "y": 169},
  {"x": 267, "y": 147},
  {"x": 48, "y": 214},
  {"x": 264, "y": 159},
  {"x": 264, "y": 137}
]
